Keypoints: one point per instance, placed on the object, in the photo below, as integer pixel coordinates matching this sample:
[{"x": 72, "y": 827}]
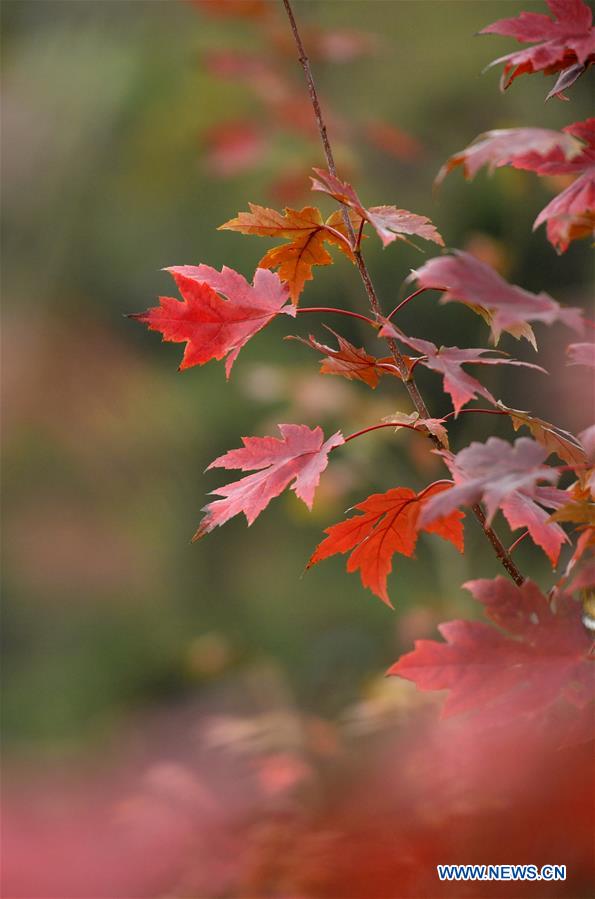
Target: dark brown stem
[
  {"x": 412, "y": 388},
  {"x": 502, "y": 554}
]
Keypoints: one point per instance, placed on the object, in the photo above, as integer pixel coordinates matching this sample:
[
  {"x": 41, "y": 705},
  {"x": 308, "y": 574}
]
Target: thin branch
[
  {"x": 347, "y": 312},
  {"x": 411, "y": 386}
]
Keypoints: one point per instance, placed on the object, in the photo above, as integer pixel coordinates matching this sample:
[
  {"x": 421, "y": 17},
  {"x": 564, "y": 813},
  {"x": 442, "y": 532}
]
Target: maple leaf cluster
[{"x": 541, "y": 652}]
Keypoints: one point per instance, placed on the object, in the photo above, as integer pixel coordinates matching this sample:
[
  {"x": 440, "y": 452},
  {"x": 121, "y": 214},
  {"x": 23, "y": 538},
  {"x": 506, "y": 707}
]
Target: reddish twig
[{"x": 411, "y": 386}]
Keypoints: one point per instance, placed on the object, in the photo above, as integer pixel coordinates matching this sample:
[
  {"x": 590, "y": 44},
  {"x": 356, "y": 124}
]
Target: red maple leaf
[
  {"x": 213, "y": 327},
  {"x": 540, "y": 653},
  {"x": 298, "y": 458},
  {"x": 505, "y": 477},
  {"x": 389, "y": 524},
  {"x": 566, "y": 41},
  {"x": 448, "y": 361},
  {"x": 389, "y": 222},
  {"x": 506, "y": 307}
]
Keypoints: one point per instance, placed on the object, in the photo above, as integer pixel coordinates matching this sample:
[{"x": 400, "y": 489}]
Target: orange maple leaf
[
  {"x": 388, "y": 525},
  {"x": 306, "y": 232}
]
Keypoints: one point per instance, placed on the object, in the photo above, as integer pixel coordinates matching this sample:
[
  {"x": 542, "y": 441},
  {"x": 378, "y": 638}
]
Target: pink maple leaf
[
  {"x": 540, "y": 654},
  {"x": 389, "y": 222},
  {"x": 494, "y": 472},
  {"x": 298, "y": 458},
  {"x": 213, "y": 327},
  {"x": 448, "y": 362},
  {"x": 587, "y": 438},
  {"x": 465, "y": 279},
  {"x": 521, "y": 511},
  {"x": 581, "y": 354}
]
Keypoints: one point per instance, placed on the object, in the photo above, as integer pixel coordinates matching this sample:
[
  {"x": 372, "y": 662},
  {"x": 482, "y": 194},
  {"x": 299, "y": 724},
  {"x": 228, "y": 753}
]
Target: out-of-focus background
[{"x": 131, "y": 130}]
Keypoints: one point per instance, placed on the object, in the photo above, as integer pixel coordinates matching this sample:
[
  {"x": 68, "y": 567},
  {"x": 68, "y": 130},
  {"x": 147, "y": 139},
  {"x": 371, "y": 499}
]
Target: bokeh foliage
[{"x": 108, "y": 608}]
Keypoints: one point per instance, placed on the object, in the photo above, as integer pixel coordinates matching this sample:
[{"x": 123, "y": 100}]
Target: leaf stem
[
  {"x": 408, "y": 299},
  {"x": 481, "y": 411},
  {"x": 411, "y": 386},
  {"x": 434, "y": 484},
  {"x": 514, "y": 545},
  {"x": 416, "y": 362},
  {"x": 387, "y": 424},
  {"x": 347, "y": 312},
  {"x": 338, "y": 236}
]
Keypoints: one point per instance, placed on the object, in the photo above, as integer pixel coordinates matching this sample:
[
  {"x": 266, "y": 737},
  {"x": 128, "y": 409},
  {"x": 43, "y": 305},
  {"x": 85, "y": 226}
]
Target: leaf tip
[{"x": 200, "y": 532}]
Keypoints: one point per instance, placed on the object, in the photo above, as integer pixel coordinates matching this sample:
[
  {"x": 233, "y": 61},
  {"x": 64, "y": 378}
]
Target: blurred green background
[{"x": 107, "y": 112}]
